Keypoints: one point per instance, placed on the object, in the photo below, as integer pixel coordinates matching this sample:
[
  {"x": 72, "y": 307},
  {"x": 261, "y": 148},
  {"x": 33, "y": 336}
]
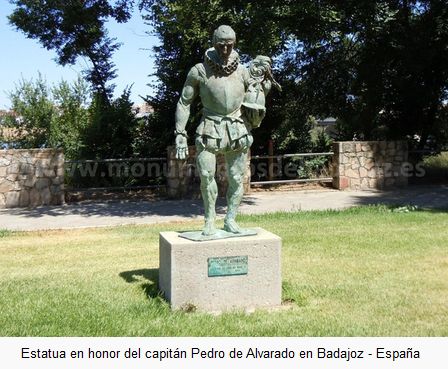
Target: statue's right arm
[{"x": 189, "y": 93}]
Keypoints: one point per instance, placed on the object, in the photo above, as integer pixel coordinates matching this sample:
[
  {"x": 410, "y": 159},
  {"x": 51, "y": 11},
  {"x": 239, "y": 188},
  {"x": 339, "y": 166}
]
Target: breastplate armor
[{"x": 222, "y": 95}]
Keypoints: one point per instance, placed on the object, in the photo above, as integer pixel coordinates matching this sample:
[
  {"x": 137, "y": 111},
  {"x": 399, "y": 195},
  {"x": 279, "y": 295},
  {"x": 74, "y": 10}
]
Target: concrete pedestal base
[{"x": 234, "y": 273}]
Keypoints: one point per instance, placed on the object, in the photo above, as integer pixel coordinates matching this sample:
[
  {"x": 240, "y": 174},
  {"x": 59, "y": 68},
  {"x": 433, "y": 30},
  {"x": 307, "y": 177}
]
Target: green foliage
[
  {"x": 63, "y": 116},
  {"x": 150, "y": 139},
  {"x": 30, "y": 125},
  {"x": 320, "y": 140},
  {"x": 287, "y": 122},
  {"x": 76, "y": 29},
  {"x": 436, "y": 166},
  {"x": 313, "y": 167},
  {"x": 380, "y": 67},
  {"x": 71, "y": 118},
  {"x": 110, "y": 132},
  {"x": 46, "y": 116}
]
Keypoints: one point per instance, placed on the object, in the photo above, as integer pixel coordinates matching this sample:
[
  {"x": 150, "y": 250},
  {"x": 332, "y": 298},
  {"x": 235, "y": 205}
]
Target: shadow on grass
[
  {"x": 148, "y": 280},
  {"x": 432, "y": 198},
  {"x": 189, "y": 208},
  {"x": 407, "y": 208}
]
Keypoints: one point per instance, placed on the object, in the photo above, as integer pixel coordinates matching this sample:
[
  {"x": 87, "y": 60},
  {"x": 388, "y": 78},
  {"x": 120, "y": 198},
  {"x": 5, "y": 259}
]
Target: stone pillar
[
  {"x": 30, "y": 178},
  {"x": 183, "y": 180},
  {"x": 366, "y": 165}
]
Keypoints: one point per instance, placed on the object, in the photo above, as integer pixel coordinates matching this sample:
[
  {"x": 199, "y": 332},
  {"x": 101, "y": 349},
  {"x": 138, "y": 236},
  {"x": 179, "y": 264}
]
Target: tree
[
  {"x": 71, "y": 117},
  {"x": 380, "y": 67},
  {"x": 63, "y": 116},
  {"x": 45, "y": 116},
  {"x": 111, "y": 128},
  {"x": 73, "y": 29},
  {"x": 33, "y": 109},
  {"x": 185, "y": 28}
]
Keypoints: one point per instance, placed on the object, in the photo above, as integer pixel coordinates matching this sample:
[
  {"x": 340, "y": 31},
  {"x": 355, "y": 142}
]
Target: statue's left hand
[{"x": 181, "y": 147}]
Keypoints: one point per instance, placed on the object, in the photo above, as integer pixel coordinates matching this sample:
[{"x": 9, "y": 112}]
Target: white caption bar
[{"x": 217, "y": 353}]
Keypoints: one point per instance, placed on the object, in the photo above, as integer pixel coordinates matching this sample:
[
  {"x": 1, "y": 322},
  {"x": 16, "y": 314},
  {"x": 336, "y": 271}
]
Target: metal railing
[
  {"x": 292, "y": 168},
  {"x": 115, "y": 174},
  {"x": 151, "y": 173}
]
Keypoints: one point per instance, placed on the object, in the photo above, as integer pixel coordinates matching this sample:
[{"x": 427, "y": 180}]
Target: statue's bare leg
[
  {"x": 206, "y": 162},
  {"x": 236, "y": 166}
]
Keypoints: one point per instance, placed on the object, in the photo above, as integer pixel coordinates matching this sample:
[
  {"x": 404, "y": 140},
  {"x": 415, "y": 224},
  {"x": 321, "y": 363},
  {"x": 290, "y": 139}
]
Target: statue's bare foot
[
  {"x": 231, "y": 226},
  {"x": 209, "y": 229}
]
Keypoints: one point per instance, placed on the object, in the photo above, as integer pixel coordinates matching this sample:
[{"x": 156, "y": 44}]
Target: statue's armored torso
[
  {"x": 222, "y": 91},
  {"x": 222, "y": 95}
]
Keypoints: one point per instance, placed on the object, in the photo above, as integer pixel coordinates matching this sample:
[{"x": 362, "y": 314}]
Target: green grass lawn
[{"x": 366, "y": 271}]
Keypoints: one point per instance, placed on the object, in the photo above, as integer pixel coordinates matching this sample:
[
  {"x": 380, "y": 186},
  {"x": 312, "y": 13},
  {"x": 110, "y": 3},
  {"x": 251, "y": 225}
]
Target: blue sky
[{"x": 22, "y": 57}]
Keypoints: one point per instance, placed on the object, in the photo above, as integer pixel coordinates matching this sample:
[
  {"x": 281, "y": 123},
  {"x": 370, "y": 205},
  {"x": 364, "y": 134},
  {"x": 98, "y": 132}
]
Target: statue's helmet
[{"x": 223, "y": 33}]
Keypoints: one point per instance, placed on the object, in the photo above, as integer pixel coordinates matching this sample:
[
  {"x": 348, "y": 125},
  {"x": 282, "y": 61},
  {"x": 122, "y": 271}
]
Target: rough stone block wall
[
  {"x": 30, "y": 178},
  {"x": 183, "y": 180},
  {"x": 366, "y": 165}
]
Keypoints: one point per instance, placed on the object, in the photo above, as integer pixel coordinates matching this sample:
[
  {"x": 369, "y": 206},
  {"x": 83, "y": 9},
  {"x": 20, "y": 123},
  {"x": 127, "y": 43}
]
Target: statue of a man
[{"x": 222, "y": 84}]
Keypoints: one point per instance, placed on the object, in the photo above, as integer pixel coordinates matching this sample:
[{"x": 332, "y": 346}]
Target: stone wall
[
  {"x": 31, "y": 178},
  {"x": 183, "y": 180},
  {"x": 370, "y": 165}
]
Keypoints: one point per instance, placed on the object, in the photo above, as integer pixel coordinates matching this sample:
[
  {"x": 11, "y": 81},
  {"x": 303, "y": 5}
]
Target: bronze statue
[{"x": 233, "y": 103}]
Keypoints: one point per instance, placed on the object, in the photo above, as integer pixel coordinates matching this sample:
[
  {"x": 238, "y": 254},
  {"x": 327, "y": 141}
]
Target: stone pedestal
[{"x": 218, "y": 275}]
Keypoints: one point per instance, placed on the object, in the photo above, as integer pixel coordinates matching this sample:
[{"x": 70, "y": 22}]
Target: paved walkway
[{"x": 101, "y": 214}]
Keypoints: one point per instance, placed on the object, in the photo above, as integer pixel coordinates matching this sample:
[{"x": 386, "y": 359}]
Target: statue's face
[{"x": 224, "y": 49}]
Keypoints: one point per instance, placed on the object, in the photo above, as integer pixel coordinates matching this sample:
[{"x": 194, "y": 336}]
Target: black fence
[
  {"x": 115, "y": 174},
  {"x": 146, "y": 173},
  {"x": 291, "y": 168}
]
